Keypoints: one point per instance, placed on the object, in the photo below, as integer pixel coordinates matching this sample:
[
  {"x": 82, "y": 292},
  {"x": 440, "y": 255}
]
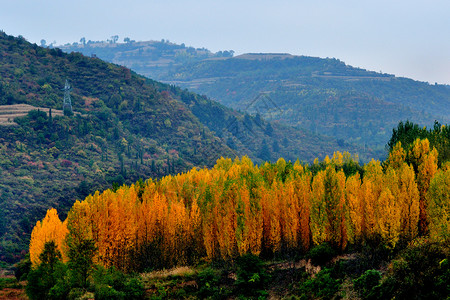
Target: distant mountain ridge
[{"x": 325, "y": 96}]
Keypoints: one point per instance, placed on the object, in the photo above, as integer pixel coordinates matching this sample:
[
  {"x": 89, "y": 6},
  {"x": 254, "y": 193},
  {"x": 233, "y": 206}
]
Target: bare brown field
[{"x": 9, "y": 112}]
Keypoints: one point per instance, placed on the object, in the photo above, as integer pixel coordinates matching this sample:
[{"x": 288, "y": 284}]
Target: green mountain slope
[
  {"x": 325, "y": 96},
  {"x": 149, "y": 58},
  {"x": 125, "y": 127}
]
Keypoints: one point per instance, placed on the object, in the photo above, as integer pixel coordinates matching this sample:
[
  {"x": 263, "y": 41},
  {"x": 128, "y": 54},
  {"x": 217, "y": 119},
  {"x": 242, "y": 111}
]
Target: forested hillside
[
  {"x": 378, "y": 231},
  {"x": 124, "y": 127},
  {"x": 150, "y": 58},
  {"x": 237, "y": 208},
  {"x": 324, "y": 96}
]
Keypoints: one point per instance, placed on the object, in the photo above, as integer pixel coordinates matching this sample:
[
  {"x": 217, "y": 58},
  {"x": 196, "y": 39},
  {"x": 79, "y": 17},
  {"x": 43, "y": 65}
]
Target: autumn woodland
[
  {"x": 270, "y": 210},
  {"x": 150, "y": 191}
]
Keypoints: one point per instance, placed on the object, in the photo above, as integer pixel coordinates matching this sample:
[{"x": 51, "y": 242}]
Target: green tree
[
  {"x": 45, "y": 277},
  {"x": 81, "y": 262}
]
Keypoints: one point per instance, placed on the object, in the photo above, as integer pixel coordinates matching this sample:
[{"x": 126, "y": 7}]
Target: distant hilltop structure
[{"x": 264, "y": 56}]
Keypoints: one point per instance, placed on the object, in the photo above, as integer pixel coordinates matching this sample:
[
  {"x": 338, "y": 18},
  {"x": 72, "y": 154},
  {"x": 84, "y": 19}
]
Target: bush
[
  {"x": 322, "y": 286},
  {"x": 366, "y": 283},
  {"x": 208, "y": 281},
  {"x": 106, "y": 292},
  {"x": 22, "y": 268},
  {"x": 251, "y": 275},
  {"x": 321, "y": 254},
  {"x": 134, "y": 289},
  {"x": 76, "y": 293},
  {"x": 420, "y": 272},
  {"x": 8, "y": 282},
  {"x": 60, "y": 290},
  {"x": 113, "y": 284}
]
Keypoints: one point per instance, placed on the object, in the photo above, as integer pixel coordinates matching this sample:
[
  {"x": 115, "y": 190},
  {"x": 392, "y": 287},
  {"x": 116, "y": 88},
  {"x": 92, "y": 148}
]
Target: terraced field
[{"x": 9, "y": 112}]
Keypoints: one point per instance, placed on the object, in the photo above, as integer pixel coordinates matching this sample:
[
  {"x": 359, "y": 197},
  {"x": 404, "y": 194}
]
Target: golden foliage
[
  {"x": 237, "y": 208},
  {"x": 49, "y": 229}
]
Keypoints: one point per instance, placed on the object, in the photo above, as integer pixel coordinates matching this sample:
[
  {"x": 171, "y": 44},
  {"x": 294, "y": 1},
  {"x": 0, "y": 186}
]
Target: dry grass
[
  {"x": 9, "y": 112},
  {"x": 13, "y": 294},
  {"x": 178, "y": 271}
]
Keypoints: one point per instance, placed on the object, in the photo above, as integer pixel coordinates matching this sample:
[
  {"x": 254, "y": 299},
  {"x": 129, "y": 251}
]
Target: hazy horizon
[{"x": 404, "y": 38}]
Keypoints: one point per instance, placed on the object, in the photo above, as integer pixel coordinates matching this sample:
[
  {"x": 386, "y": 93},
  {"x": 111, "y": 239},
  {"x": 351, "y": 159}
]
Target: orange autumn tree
[
  {"x": 354, "y": 209},
  {"x": 318, "y": 210},
  {"x": 327, "y": 208},
  {"x": 424, "y": 161},
  {"x": 371, "y": 189},
  {"x": 438, "y": 197},
  {"x": 49, "y": 229},
  {"x": 271, "y": 238},
  {"x": 301, "y": 179},
  {"x": 407, "y": 194},
  {"x": 388, "y": 210},
  {"x": 408, "y": 198},
  {"x": 235, "y": 208},
  {"x": 334, "y": 197}
]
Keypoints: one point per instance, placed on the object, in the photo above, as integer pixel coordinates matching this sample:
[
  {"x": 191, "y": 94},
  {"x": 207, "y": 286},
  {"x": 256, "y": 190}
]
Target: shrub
[
  {"x": 60, "y": 290},
  {"x": 134, "y": 289},
  {"x": 366, "y": 283},
  {"x": 76, "y": 293},
  {"x": 250, "y": 273},
  {"x": 420, "y": 272},
  {"x": 322, "y": 286},
  {"x": 22, "y": 268},
  {"x": 113, "y": 284},
  {"x": 321, "y": 254},
  {"x": 106, "y": 292},
  {"x": 208, "y": 281}
]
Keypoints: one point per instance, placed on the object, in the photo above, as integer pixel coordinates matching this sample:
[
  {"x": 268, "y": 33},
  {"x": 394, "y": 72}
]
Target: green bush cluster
[
  {"x": 251, "y": 275},
  {"x": 323, "y": 286},
  {"x": 321, "y": 254},
  {"x": 53, "y": 279}
]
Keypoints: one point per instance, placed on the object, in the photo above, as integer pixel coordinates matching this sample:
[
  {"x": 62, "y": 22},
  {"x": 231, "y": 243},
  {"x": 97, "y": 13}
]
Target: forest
[
  {"x": 181, "y": 197},
  {"x": 323, "y": 95},
  {"x": 124, "y": 127},
  {"x": 241, "y": 214}
]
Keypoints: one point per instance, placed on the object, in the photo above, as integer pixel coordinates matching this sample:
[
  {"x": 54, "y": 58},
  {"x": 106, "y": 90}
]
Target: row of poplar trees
[{"x": 269, "y": 210}]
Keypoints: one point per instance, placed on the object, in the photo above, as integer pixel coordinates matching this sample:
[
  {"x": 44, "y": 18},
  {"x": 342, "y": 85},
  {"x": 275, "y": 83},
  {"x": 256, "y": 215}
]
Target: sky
[{"x": 405, "y": 38}]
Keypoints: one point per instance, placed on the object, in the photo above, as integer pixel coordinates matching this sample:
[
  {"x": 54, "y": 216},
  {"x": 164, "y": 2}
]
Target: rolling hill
[
  {"x": 125, "y": 128},
  {"x": 324, "y": 96}
]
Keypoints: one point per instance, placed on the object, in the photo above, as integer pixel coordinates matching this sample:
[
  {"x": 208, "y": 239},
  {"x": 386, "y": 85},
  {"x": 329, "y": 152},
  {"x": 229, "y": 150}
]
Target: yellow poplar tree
[
  {"x": 388, "y": 210},
  {"x": 318, "y": 209},
  {"x": 425, "y": 162},
  {"x": 354, "y": 208},
  {"x": 408, "y": 198},
  {"x": 49, "y": 229},
  {"x": 438, "y": 198}
]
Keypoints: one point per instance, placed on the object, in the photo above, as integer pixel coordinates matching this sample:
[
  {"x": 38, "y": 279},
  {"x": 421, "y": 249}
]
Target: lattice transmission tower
[{"x": 67, "y": 104}]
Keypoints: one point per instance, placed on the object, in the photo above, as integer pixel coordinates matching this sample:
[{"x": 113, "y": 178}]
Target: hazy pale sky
[{"x": 406, "y": 38}]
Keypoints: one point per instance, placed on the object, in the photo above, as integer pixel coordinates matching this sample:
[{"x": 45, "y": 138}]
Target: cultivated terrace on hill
[{"x": 125, "y": 127}]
